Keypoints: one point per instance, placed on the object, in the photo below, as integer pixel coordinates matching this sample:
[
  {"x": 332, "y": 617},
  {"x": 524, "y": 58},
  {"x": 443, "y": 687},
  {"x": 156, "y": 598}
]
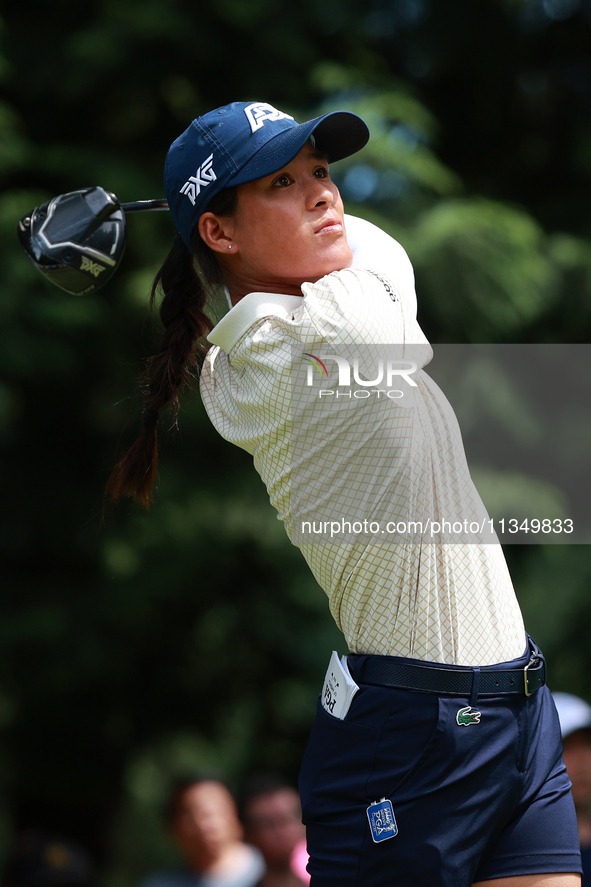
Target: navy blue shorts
[{"x": 472, "y": 802}]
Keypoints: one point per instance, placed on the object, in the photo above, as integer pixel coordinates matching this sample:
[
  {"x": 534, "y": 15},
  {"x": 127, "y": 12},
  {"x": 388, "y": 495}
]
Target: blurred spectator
[
  {"x": 272, "y": 818},
  {"x": 41, "y": 859},
  {"x": 575, "y": 726},
  {"x": 204, "y": 825}
]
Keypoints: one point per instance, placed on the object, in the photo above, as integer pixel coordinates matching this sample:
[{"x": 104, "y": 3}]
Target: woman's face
[{"x": 288, "y": 228}]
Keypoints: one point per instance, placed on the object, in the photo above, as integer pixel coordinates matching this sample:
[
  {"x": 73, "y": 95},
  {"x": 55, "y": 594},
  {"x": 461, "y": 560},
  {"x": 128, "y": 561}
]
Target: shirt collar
[{"x": 252, "y": 307}]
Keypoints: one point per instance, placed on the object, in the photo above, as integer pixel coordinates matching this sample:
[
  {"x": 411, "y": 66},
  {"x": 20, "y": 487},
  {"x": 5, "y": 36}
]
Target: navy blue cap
[{"x": 241, "y": 142}]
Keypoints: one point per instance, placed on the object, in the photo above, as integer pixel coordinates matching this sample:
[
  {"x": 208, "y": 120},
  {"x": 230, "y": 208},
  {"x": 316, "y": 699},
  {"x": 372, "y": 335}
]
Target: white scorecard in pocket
[{"x": 339, "y": 687}]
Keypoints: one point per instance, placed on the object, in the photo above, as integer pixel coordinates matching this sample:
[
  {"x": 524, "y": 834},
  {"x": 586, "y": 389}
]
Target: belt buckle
[{"x": 533, "y": 660}]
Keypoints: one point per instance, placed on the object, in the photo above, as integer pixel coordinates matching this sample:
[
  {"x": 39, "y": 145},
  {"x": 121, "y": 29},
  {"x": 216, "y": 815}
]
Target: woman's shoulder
[{"x": 374, "y": 249}]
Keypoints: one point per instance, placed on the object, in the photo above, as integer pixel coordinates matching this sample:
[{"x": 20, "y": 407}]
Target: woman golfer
[{"x": 435, "y": 757}]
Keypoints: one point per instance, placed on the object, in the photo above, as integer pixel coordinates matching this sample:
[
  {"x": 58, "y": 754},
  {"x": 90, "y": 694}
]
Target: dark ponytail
[{"x": 181, "y": 353}]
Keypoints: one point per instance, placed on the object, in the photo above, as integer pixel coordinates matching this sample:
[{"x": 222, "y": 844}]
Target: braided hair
[{"x": 180, "y": 355}]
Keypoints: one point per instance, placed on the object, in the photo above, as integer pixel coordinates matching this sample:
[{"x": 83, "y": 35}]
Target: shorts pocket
[
  {"x": 408, "y": 740},
  {"x": 336, "y": 764},
  {"x": 386, "y": 737}
]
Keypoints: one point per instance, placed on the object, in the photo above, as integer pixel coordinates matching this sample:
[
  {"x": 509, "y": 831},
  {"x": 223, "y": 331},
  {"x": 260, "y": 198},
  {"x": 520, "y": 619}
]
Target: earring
[{"x": 229, "y": 246}]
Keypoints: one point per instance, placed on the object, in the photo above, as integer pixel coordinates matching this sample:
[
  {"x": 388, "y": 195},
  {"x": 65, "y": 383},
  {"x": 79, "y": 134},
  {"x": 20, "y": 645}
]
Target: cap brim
[{"x": 337, "y": 135}]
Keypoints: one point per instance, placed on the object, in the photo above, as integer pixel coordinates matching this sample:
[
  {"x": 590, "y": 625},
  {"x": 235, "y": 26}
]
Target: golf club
[{"x": 77, "y": 239}]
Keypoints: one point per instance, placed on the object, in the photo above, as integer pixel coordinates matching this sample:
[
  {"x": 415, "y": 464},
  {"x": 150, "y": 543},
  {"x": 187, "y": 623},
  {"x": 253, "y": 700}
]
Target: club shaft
[{"x": 137, "y": 206}]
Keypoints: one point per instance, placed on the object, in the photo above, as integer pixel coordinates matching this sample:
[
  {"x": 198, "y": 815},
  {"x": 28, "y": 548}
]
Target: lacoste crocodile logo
[{"x": 467, "y": 716}]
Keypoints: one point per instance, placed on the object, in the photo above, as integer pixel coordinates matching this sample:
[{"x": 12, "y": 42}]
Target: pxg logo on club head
[{"x": 76, "y": 240}]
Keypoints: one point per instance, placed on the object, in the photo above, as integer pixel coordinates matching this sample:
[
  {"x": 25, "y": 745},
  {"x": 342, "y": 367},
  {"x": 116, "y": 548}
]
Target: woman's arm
[{"x": 374, "y": 249}]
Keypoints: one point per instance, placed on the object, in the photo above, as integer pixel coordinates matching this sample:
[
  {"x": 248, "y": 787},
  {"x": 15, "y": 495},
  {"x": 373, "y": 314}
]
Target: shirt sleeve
[
  {"x": 373, "y": 248},
  {"x": 354, "y": 306},
  {"x": 374, "y": 300}
]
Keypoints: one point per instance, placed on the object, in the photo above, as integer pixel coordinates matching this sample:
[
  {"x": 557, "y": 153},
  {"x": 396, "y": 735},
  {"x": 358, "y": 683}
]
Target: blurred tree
[{"x": 509, "y": 82}]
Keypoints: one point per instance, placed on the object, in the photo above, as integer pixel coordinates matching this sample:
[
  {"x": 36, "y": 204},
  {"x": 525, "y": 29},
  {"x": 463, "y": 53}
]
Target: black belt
[{"x": 447, "y": 680}]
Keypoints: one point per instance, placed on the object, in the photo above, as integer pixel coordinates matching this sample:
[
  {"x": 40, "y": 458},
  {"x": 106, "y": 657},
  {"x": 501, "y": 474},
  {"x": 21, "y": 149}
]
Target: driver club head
[{"x": 76, "y": 240}]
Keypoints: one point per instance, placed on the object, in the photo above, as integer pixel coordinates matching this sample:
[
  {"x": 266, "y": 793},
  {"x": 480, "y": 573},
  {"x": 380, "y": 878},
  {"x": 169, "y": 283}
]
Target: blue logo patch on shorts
[{"x": 382, "y": 822}]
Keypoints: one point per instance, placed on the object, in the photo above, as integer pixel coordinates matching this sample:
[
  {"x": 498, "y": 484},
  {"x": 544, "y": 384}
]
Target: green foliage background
[{"x": 138, "y": 647}]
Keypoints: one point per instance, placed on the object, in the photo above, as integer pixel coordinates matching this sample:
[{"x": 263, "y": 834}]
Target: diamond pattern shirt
[{"x": 393, "y": 460}]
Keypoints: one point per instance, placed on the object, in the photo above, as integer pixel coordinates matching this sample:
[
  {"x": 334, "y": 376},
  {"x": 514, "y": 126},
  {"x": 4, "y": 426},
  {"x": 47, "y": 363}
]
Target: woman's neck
[
  {"x": 240, "y": 285},
  {"x": 239, "y": 290}
]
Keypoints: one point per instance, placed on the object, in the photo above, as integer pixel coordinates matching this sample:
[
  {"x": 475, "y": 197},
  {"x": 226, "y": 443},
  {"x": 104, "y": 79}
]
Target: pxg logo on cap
[
  {"x": 201, "y": 179},
  {"x": 241, "y": 142}
]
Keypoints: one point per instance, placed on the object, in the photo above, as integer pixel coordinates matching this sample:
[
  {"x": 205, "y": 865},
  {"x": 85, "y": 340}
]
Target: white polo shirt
[{"x": 420, "y": 595}]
